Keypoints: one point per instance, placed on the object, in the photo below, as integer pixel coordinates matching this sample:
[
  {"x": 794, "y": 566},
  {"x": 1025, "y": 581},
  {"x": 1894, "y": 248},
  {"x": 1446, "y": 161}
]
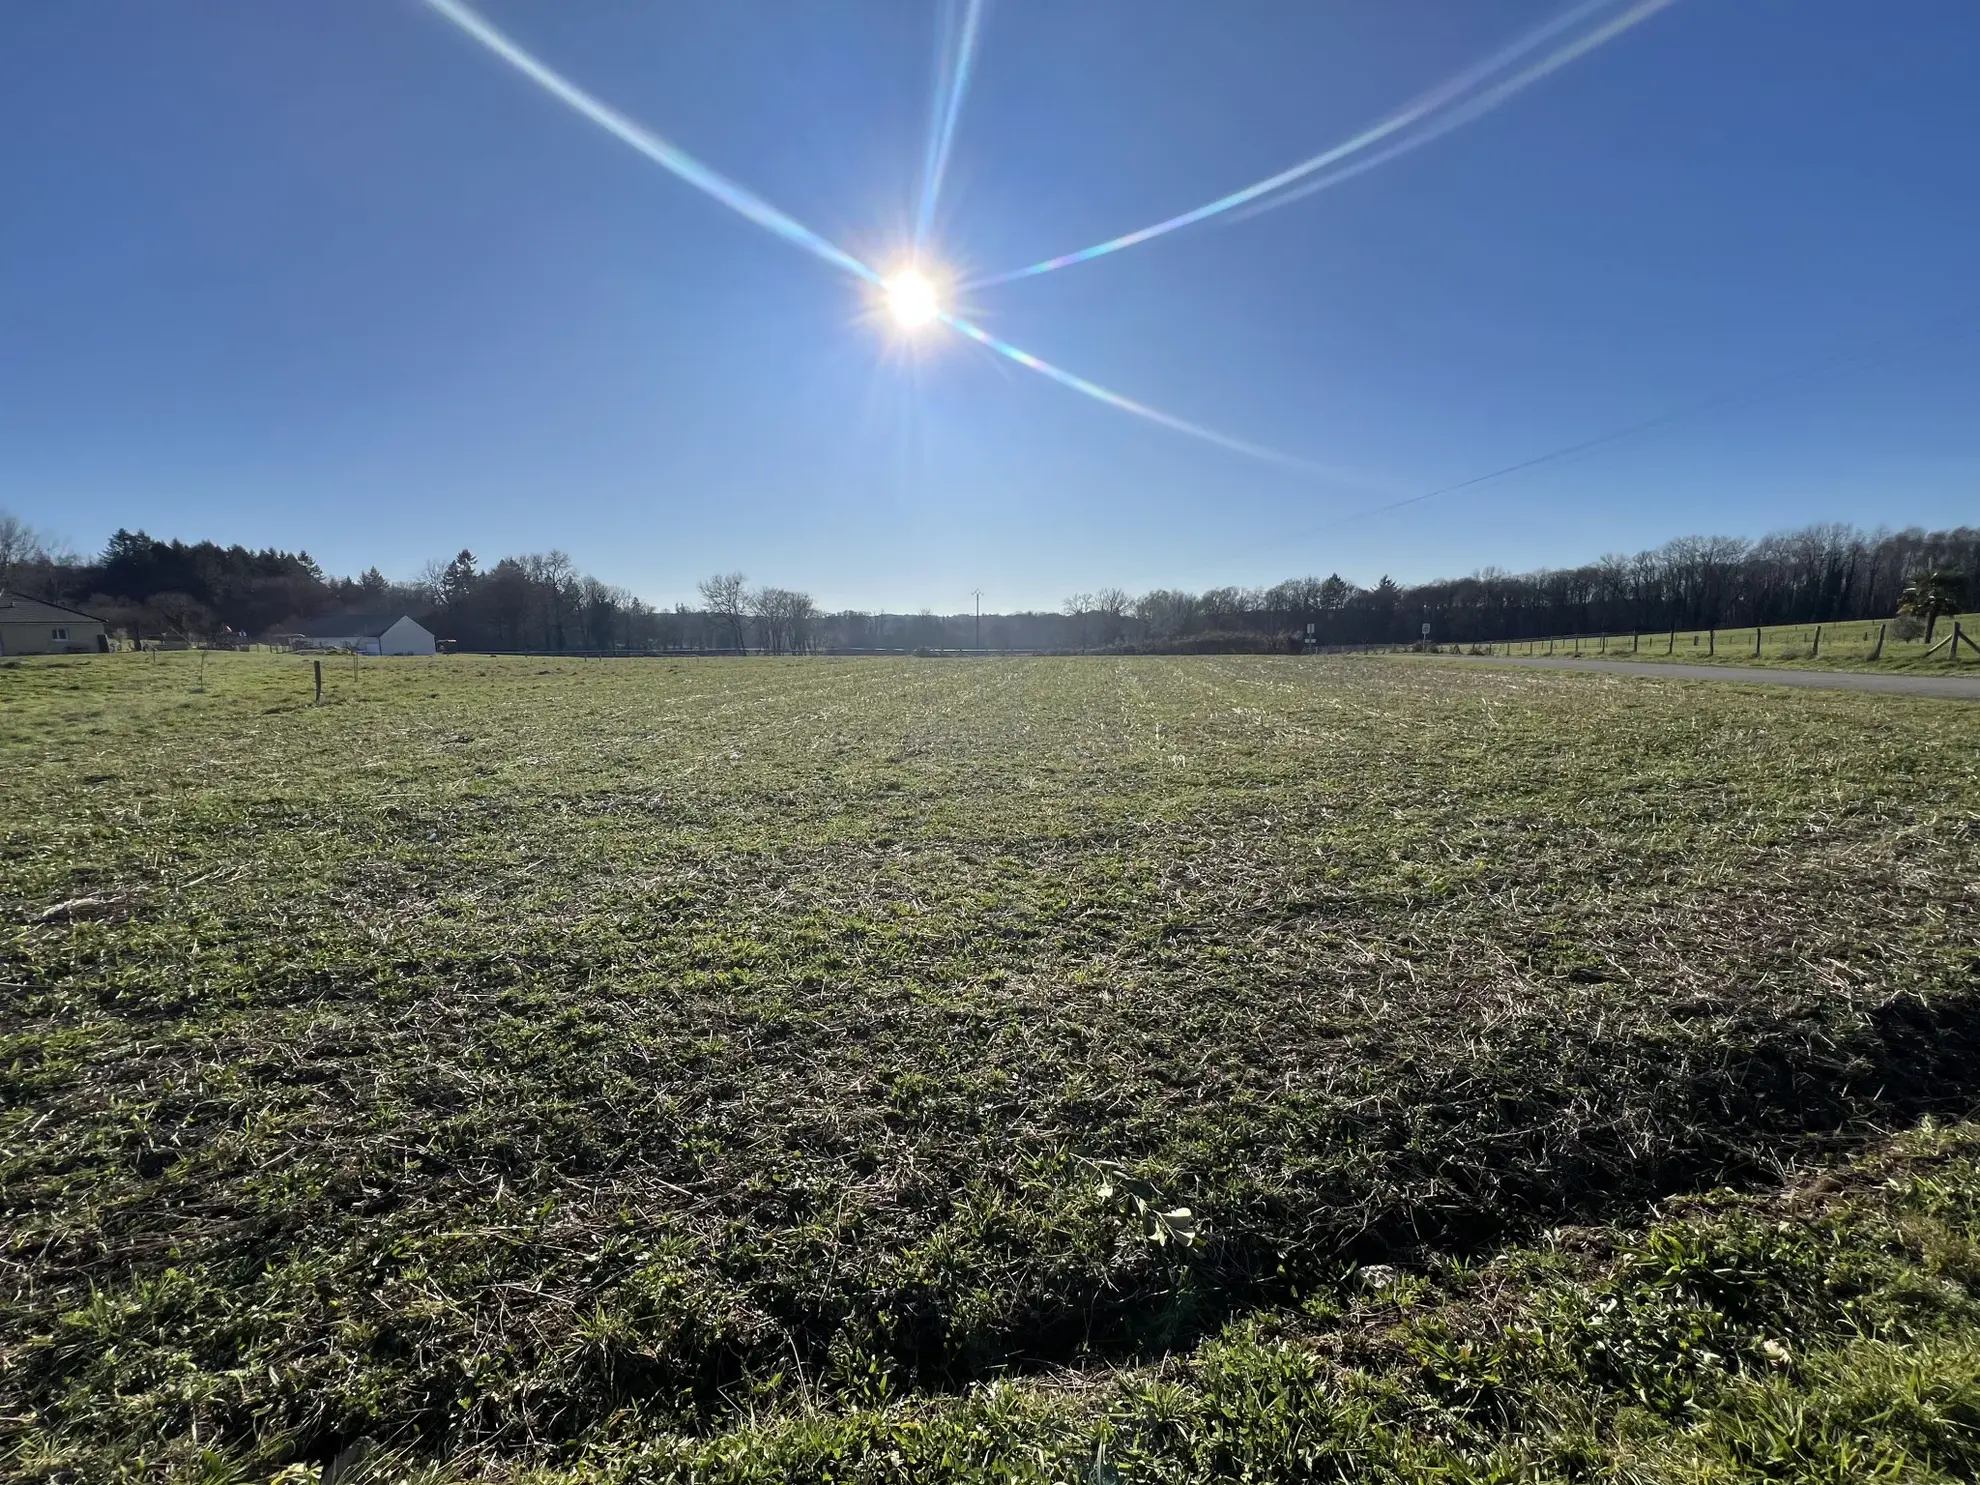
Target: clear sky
[{"x": 331, "y": 276}]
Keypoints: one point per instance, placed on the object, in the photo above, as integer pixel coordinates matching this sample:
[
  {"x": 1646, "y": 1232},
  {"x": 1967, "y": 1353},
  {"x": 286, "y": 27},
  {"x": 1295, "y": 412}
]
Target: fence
[{"x": 1850, "y": 641}]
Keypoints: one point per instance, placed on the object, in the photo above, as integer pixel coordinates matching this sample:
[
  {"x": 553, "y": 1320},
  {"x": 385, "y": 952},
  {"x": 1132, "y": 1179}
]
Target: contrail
[
  {"x": 1438, "y": 97},
  {"x": 656, "y": 149},
  {"x": 1141, "y": 409},
  {"x": 952, "y": 83},
  {"x": 1482, "y": 104}
]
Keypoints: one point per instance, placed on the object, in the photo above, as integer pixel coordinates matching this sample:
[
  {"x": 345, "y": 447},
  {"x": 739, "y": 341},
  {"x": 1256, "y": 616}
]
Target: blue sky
[{"x": 331, "y": 276}]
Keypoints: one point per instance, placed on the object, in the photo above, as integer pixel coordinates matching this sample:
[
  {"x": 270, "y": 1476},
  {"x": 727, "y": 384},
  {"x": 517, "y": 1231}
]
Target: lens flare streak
[
  {"x": 949, "y": 92},
  {"x": 1484, "y": 103},
  {"x": 1441, "y": 96},
  {"x": 656, "y": 149},
  {"x": 1127, "y": 404},
  {"x": 912, "y": 300}
]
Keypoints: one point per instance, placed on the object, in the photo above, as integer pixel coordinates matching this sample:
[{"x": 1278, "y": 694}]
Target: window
[{"x": 58, "y": 634}]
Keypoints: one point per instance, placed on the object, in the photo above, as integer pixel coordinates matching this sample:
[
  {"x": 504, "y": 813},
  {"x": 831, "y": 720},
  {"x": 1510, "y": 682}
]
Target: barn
[
  {"x": 366, "y": 634},
  {"x": 31, "y": 626}
]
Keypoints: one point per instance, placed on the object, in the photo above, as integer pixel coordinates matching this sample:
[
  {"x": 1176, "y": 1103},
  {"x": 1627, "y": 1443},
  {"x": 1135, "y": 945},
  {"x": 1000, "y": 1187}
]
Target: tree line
[
  {"x": 1817, "y": 574},
  {"x": 146, "y": 587}
]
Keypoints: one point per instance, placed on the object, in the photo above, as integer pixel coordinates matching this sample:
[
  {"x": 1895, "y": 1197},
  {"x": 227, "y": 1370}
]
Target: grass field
[
  {"x": 780, "y": 1070},
  {"x": 1847, "y": 646}
]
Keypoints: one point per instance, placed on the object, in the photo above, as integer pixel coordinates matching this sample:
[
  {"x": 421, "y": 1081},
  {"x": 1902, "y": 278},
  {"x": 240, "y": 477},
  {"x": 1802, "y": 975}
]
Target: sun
[{"x": 911, "y": 299}]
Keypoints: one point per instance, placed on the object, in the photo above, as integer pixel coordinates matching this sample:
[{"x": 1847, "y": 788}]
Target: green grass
[
  {"x": 1821, "y": 1332},
  {"x": 1845, "y": 646},
  {"x": 709, "y": 1069}
]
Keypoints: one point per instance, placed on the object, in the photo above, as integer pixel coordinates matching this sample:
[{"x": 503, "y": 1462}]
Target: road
[{"x": 1945, "y": 687}]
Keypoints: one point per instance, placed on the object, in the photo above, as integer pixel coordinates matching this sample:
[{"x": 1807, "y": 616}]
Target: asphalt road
[{"x": 1945, "y": 687}]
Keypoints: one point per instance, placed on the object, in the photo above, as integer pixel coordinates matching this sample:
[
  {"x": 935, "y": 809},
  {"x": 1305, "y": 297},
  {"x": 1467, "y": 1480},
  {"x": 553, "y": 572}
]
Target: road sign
[{"x": 1426, "y": 631}]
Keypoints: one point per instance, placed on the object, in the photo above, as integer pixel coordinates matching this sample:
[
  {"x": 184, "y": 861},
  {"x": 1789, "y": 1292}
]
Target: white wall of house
[
  {"x": 64, "y": 637},
  {"x": 405, "y": 638}
]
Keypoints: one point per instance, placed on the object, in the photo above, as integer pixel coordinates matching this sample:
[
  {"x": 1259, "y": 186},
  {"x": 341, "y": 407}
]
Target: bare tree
[
  {"x": 431, "y": 584},
  {"x": 601, "y": 611},
  {"x": 784, "y": 619},
  {"x": 1165, "y": 613},
  {"x": 727, "y": 599},
  {"x": 181, "y": 614},
  {"x": 553, "y": 582},
  {"x": 1228, "y": 608},
  {"x": 766, "y": 610},
  {"x": 1112, "y": 605},
  {"x": 20, "y": 545},
  {"x": 801, "y": 615},
  {"x": 1076, "y": 608}
]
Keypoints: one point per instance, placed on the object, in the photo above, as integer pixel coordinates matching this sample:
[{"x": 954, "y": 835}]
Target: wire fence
[{"x": 1953, "y": 640}]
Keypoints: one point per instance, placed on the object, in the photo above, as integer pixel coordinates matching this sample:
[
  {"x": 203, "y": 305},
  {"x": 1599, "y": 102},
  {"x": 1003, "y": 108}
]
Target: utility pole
[{"x": 977, "y": 594}]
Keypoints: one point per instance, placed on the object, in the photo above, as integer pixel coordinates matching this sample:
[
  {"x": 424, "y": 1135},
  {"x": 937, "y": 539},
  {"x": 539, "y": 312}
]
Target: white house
[
  {"x": 367, "y": 634},
  {"x": 29, "y": 626}
]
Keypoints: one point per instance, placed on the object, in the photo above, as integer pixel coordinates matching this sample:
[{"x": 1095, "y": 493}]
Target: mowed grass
[{"x": 706, "y": 1068}]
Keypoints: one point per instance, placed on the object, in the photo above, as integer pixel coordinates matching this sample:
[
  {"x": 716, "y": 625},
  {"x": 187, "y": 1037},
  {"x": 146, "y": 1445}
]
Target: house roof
[
  {"x": 18, "y": 608},
  {"x": 348, "y": 626}
]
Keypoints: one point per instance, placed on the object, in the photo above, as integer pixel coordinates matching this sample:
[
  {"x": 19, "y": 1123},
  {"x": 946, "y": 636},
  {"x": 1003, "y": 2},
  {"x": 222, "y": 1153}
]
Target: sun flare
[{"x": 911, "y": 299}]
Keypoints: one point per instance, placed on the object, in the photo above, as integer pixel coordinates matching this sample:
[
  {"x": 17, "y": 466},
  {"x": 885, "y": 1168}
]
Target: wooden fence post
[
  {"x": 1756, "y": 641},
  {"x": 1815, "y": 650},
  {"x": 1633, "y": 638},
  {"x": 1672, "y": 647},
  {"x": 1878, "y": 652},
  {"x": 1711, "y": 642},
  {"x": 319, "y": 683}
]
